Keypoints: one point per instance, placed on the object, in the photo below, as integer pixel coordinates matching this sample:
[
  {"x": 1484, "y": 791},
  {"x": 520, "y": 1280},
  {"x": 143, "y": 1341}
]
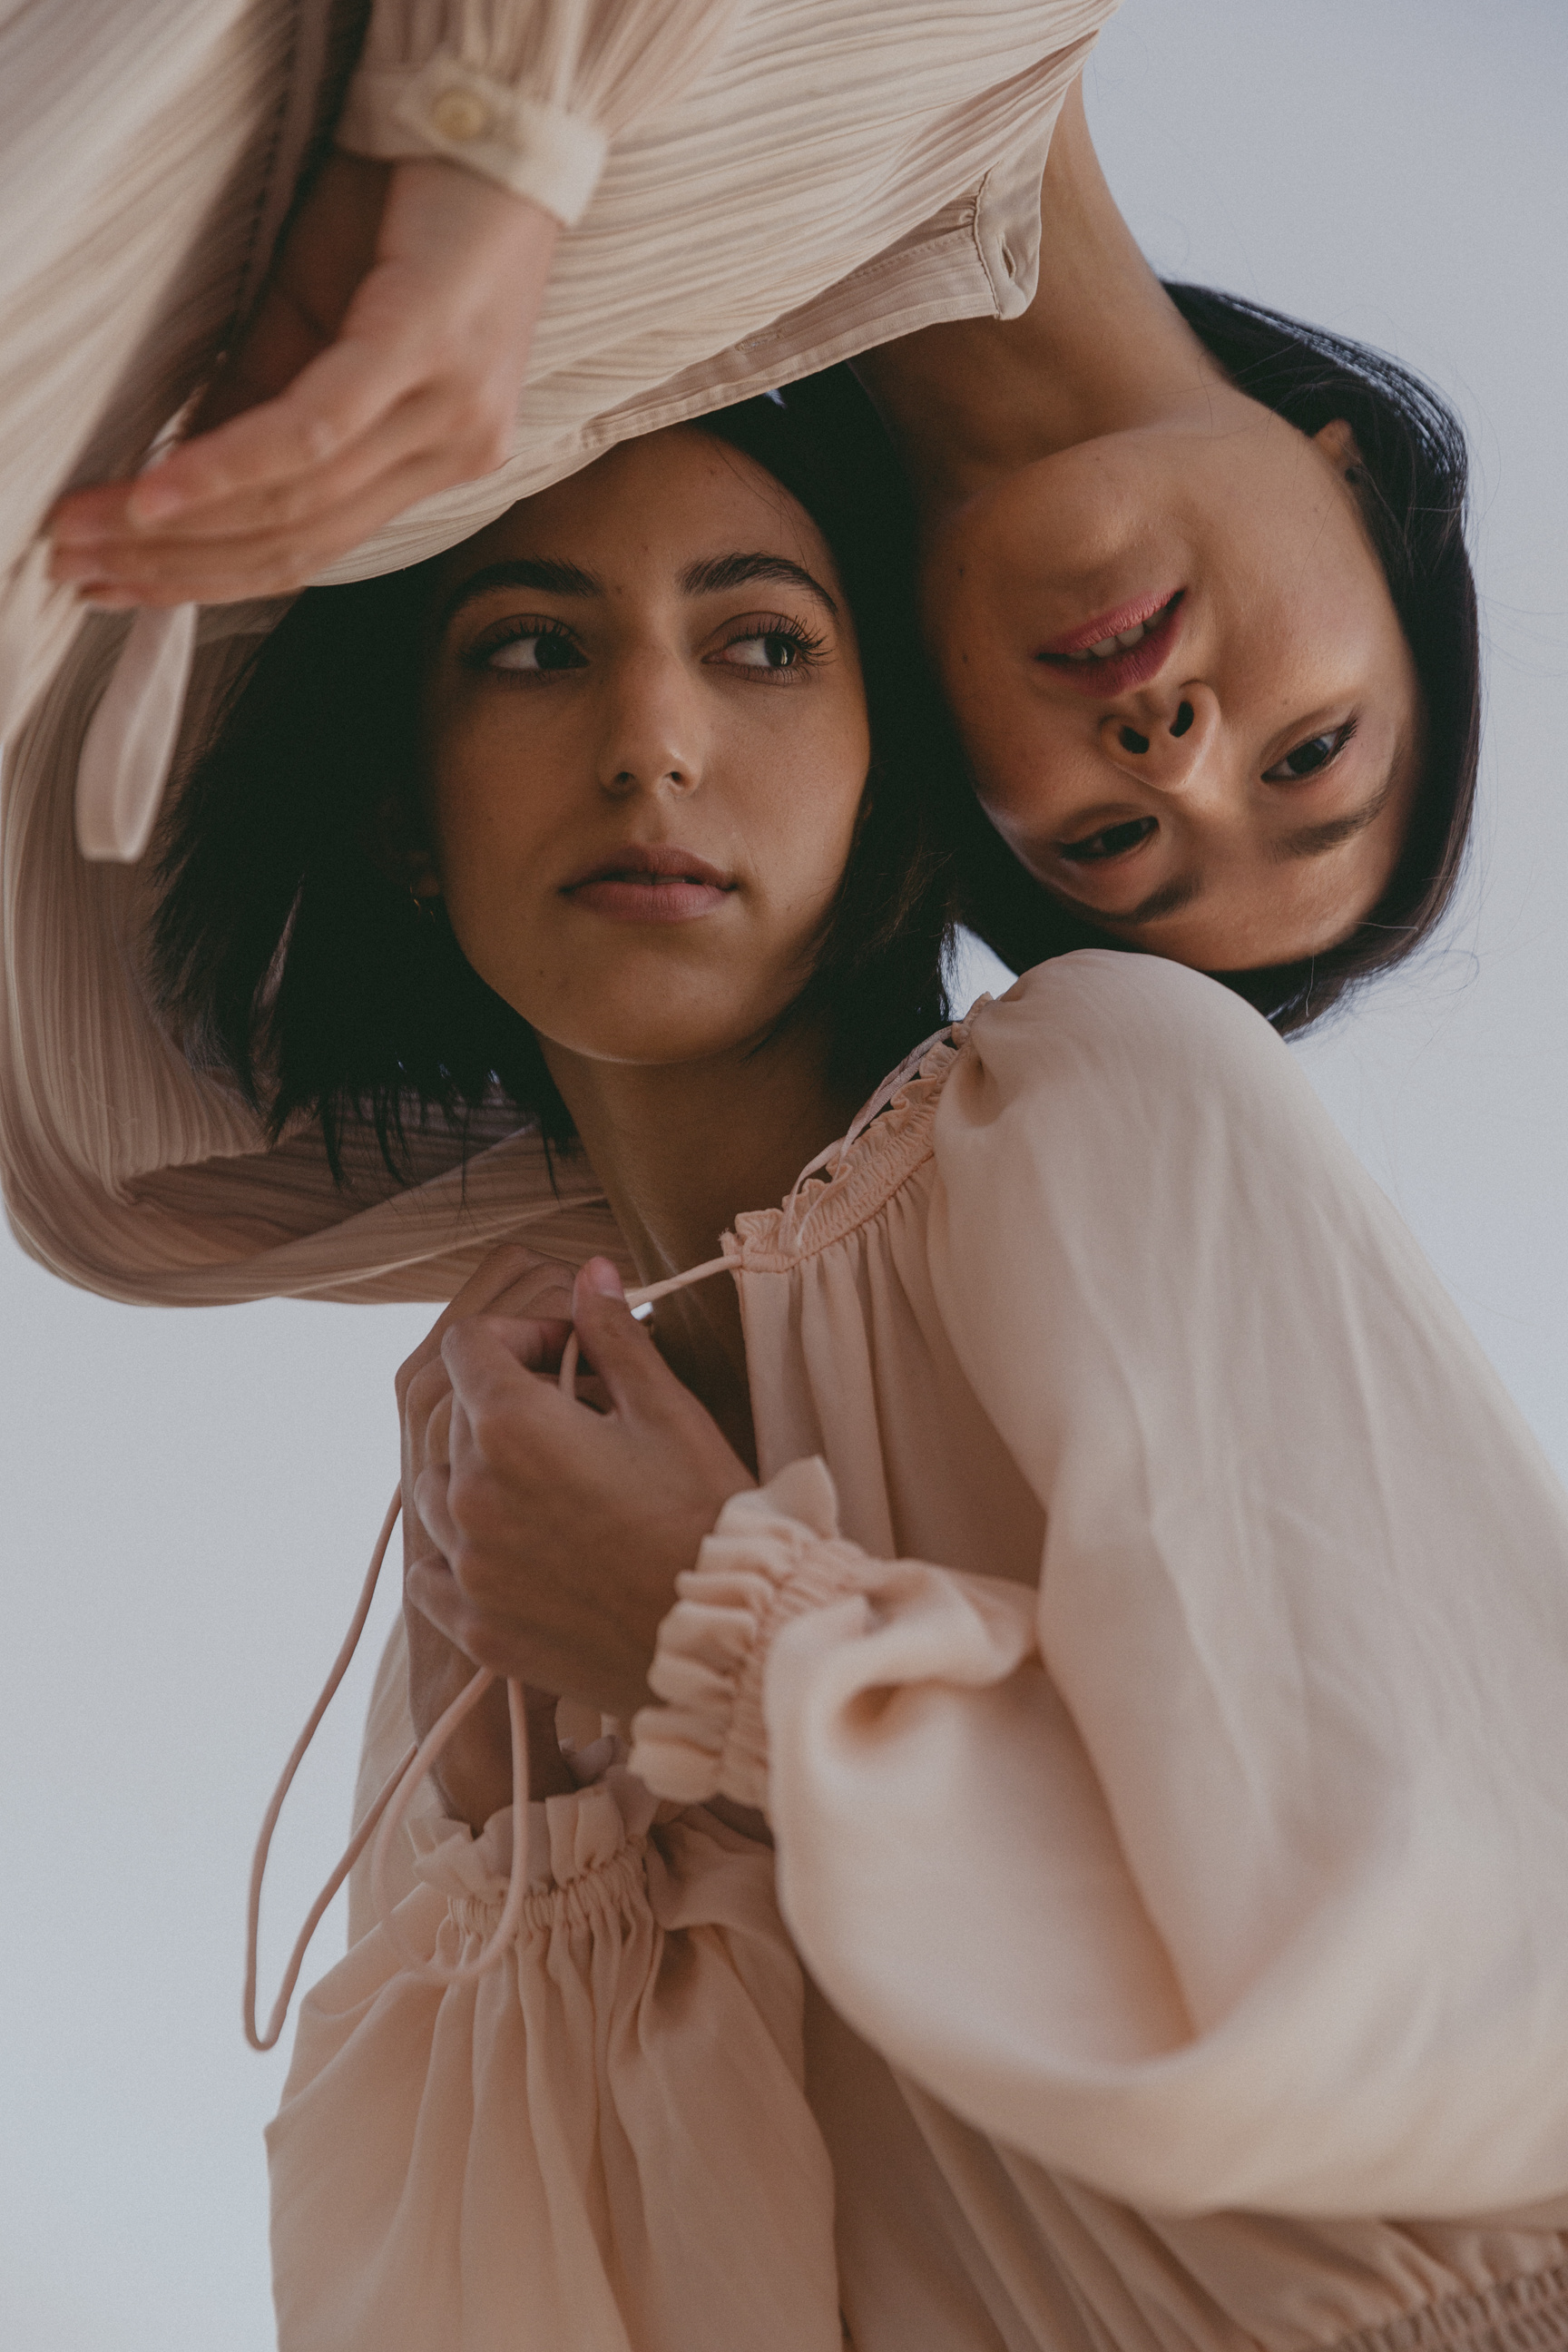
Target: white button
[{"x": 461, "y": 115}]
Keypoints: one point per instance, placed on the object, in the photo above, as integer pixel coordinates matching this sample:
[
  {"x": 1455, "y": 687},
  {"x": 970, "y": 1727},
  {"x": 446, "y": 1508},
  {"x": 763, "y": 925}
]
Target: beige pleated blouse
[
  {"x": 755, "y": 189},
  {"x": 1148, "y": 1646}
]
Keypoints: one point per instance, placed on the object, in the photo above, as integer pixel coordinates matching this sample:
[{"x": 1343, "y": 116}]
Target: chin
[{"x": 652, "y": 1027}]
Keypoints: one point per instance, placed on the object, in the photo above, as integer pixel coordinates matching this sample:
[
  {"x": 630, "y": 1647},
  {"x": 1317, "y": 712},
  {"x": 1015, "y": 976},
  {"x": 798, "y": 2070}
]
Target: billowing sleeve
[
  {"x": 605, "y": 2141},
  {"x": 528, "y": 92},
  {"x": 1230, "y": 1867}
]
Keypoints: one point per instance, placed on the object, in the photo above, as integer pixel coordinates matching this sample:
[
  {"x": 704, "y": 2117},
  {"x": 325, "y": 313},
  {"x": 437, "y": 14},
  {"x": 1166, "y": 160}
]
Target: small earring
[{"x": 424, "y": 905}]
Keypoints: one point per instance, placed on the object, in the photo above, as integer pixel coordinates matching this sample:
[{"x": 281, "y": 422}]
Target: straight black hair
[
  {"x": 288, "y": 956},
  {"x": 1413, "y": 494}
]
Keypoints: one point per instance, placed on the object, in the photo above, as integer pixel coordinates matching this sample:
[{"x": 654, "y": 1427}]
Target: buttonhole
[
  {"x": 1132, "y": 742},
  {"x": 1183, "y": 720}
]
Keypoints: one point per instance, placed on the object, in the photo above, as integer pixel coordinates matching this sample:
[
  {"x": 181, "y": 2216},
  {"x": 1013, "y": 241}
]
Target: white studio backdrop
[{"x": 189, "y": 1498}]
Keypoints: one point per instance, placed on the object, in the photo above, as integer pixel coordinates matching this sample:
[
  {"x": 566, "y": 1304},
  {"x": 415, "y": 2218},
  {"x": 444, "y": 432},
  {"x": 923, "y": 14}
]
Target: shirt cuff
[
  {"x": 444, "y": 108},
  {"x": 775, "y": 1553}
]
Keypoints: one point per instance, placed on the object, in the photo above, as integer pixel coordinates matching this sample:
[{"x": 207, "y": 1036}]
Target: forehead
[{"x": 650, "y": 504}]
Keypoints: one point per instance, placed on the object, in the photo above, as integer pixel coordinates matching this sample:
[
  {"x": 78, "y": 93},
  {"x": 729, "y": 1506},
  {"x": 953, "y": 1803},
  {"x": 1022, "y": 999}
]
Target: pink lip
[
  {"x": 650, "y": 883},
  {"x": 1138, "y": 664}
]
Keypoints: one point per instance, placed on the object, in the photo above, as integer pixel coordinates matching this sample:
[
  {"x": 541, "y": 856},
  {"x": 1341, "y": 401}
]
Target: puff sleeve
[
  {"x": 1230, "y": 1867},
  {"x": 528, "y": 92}
]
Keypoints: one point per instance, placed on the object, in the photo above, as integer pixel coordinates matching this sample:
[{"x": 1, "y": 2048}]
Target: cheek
[
  {"x": 1021, "y": 753},
  {"x": 795, "y": 810}
]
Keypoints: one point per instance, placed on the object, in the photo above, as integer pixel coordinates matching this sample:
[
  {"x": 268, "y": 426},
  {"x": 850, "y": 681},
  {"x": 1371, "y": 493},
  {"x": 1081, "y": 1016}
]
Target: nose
[
  {"x": 652, "y": 736},
  {"x": 1163, "y": 739}
]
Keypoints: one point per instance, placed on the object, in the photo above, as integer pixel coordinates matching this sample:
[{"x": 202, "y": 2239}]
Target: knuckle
[{"x": 491, "y": 1430}]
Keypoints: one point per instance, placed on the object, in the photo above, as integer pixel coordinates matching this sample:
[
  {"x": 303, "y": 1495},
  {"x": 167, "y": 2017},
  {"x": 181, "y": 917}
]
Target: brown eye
[
  {"x": 1307, "y": 758},
  {"x": 531, "y": 651},
  {"x": 1110, "y": 841}
]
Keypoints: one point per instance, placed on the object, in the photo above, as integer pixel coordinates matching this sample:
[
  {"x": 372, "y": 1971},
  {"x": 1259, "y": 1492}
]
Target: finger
[
  {"x": 535, "y": 1347},
  {"x": 363, "y": 407},
  {"x": 433, "y": 1589},
  {"x": 620, "y": 1348},
  {"x": 272, "y": 562},
  {"x": 490, "y": 1367},
  {"x": 432, "y": 1505},
  {"x": 252, "y": 535},
  {"x": 504, "y": 1272},
  {"x": 330, "y": 406}
]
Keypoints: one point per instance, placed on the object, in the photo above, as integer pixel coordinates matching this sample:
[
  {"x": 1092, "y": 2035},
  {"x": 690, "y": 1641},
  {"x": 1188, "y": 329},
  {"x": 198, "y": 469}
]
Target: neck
[
  {"x": 681, "y": 1150},
  {"x": 1102, "y": 349}
]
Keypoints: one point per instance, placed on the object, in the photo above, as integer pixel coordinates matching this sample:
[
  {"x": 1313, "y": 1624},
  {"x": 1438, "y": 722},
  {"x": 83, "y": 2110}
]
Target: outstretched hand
[
  {"x": 385, "y": 362},
  {"x": 557, "y": 1529}
]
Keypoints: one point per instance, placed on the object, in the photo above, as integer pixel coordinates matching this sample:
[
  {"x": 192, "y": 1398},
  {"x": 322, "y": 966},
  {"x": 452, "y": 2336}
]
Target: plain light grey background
[{"x": 189, "y": 1498}]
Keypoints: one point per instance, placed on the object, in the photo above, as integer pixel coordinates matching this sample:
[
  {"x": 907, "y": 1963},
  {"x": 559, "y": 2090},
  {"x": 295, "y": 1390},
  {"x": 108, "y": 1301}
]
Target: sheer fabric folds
[{"x": 1148, "y": 1646}]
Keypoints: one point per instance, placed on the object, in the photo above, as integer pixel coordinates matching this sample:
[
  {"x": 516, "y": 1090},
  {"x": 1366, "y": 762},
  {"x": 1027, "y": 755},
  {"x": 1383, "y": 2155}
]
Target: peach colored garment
[{"x": 1149, "y": 1647}]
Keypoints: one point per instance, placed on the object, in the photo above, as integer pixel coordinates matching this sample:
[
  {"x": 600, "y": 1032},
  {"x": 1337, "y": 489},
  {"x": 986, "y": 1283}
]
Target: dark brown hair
[
  {"x": 1413, "y": 494},
  {"x": 291, "y": 960}
]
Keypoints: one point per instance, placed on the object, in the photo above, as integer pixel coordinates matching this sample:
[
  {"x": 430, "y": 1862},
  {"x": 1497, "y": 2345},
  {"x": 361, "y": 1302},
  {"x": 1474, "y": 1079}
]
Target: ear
[{"x": 1338, "y": 444}]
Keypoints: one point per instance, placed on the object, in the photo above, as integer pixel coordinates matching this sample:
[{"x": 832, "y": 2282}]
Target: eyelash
[
  {"x": 809, "y": 645},
  {"x": 478, "y": 656},
  {"x": 1338, "y": 737},
  {"x": 1086, "y": 853}
]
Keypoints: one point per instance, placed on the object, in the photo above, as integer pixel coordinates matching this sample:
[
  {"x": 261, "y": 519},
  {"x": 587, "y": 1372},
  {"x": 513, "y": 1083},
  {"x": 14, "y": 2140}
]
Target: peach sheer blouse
[{"x": 1147, "y": 1647}]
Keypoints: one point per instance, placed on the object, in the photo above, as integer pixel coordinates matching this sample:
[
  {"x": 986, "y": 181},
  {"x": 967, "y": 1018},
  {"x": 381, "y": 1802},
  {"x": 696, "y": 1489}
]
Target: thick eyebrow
[
  {"x": 710, "y": 577},
  {"x": 1166, "y": 900},
  {"x": 717, "y": 572},
  {"x": 1307, "y": 841},
  {"x": 550, "y": 579},
  {"x": 1314, "y": 840}
]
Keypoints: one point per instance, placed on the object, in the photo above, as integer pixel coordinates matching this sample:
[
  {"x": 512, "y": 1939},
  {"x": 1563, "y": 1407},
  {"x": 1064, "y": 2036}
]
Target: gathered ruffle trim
[
  {"x": 1529, "y": 2314},
  {"x": 584, "y": 1857},
  {"x": 825, "y": 1209},
  {"x": 775, "y": 1553}
]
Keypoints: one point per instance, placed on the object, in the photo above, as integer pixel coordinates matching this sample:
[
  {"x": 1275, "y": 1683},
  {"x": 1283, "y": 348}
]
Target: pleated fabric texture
[{"x": 783, "y": 182}]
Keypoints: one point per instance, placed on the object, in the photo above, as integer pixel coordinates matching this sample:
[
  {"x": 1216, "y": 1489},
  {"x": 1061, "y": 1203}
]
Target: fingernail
[
  {"x": 601, "y": 1275},
  {"x": 104, "y": 599}
]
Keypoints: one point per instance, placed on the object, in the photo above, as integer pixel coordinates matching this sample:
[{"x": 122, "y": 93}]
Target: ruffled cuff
[
  {"x": 584, "y": 1858},
  {"x": 775, "y": 1553},
  {"x": 528, "y": 92}
]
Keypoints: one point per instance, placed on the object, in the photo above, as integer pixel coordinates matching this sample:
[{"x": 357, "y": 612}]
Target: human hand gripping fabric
[
  {"x": 473, "y": 1775},
  {"x": 385, "y": 362},
  {"x": 558, "y": 1526}
]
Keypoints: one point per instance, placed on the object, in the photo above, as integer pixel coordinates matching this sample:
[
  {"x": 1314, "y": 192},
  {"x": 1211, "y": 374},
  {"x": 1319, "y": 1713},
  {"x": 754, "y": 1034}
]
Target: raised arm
[{"x": 386, "y": 356}]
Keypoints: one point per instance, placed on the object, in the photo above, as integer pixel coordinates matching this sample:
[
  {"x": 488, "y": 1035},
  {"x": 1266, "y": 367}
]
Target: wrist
[{"x": 445, "y": 218}]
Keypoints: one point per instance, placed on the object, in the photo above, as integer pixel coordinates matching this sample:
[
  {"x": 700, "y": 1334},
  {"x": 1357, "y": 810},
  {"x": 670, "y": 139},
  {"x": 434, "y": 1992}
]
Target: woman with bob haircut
[
  {"x": 1090, "y": 1866},
  {"x": 1273, "y": 783}
]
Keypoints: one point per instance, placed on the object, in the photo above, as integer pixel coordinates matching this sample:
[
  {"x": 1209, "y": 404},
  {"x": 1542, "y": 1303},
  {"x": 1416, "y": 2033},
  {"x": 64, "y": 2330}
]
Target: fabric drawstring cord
[{"x": 390, "y": 1809}]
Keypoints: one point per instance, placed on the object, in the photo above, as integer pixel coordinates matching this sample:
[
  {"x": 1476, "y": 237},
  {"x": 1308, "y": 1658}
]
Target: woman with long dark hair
[{"x": 1091, "y": 1849}]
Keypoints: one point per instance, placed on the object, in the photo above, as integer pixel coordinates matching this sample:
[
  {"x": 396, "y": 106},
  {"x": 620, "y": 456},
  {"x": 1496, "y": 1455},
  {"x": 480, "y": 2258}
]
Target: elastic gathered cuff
[
  {"x": 584, "y": 1859},
  {"x": 444, "y": 108},
  {"x": 775, "y": 1553}
]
